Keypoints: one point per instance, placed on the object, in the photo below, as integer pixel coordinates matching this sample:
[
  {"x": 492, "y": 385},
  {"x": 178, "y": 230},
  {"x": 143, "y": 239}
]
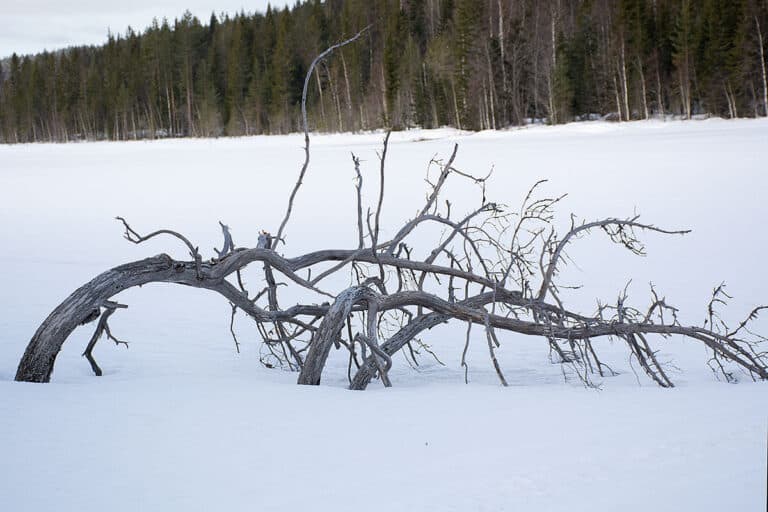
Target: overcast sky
[{"x": 30, "y": 26}]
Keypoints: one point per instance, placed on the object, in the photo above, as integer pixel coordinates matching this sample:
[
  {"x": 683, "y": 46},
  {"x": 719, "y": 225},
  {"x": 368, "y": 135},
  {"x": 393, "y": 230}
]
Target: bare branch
[
  {"x": 102, "y": 328},
  {"x": 134, "y": 237},
  {"x": 359, "y": 189},
  {"x": 619, "y": 235},
  {"x": 305, "y": 166},
  {"x": 229, "y": 245}
]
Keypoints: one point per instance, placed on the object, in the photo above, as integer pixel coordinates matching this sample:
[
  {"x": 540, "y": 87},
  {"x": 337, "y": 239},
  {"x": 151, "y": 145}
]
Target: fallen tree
[{"x": 493, "y": 268}]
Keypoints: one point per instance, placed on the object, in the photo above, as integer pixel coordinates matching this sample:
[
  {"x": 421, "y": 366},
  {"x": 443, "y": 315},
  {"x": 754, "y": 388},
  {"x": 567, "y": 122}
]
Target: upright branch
[
  {"x": 305, "y": 122},
  {"x": 229, "y": 245},
  {"x": 359, "y": 194},
  {"x": 377, "y": 222}
]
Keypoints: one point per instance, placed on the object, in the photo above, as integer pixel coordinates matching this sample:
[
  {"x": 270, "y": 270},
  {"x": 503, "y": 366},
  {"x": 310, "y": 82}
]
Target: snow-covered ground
[{"x": 182, "y": 422}]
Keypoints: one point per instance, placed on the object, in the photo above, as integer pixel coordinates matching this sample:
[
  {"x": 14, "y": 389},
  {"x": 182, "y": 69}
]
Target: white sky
[{"x": 30, "y": 26}]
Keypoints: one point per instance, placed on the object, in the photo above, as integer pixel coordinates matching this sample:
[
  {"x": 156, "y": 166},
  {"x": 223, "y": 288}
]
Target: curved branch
[
  {"x": 132, "y": 236},
  {"x": 304, "y": 167},
  {"x": 627, "y": 223},
  {"x": 329, "y": 331},
  {"x": 36, "y": 364}
]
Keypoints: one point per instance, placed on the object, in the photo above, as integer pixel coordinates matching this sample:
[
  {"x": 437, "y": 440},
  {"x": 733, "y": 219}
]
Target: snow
[{"x": 181, "y": 422}]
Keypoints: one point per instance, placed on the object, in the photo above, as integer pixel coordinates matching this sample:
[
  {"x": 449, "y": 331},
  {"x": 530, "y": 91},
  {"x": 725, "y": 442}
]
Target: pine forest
[{"x": 470, "y": 64}]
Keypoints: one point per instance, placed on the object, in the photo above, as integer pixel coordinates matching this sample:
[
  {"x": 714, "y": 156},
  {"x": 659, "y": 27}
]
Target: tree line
[{"x": 471, "y": 64}]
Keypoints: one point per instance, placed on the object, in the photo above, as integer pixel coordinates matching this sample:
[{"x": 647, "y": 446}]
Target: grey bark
[
  {"x": 37, "y": 363},
  {"x": 330, "y": 331},
  {"x": 319, "y": 326}
]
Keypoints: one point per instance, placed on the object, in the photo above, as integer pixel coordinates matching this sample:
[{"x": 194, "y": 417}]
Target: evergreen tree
[
  {"x": 465, "y": 33},
  {"x": 467, "y": 63}
]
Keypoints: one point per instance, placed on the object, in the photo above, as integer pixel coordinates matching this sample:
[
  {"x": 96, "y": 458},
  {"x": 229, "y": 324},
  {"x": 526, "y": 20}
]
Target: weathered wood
[
  {"x": 330, "y": 331},
  {"x": 523, "y": 311},
  {"x": 102, "y": 328},
  {"x": 37, "y": 362},
  {"x": 305, "y": 123},
  {"x": 229, "y": 245}
]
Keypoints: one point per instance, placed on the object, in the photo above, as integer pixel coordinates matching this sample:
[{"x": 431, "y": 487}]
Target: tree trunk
[
  {"x": 83, "y": 306},
  {"x": 330, "y": 331},
  {"x": 455, "y": 105},
  {"x": 502, "y": 49},
  {"x": 346, "y": 86},
  {"x": 492, "y": 89},
  {"x": 659, "y": 93},
  {"x": 644, "y": 92},
  {"x": 322, "y": 103},
  {"x": 550, "y": 85},
  {"x": 762, "y": 67}
]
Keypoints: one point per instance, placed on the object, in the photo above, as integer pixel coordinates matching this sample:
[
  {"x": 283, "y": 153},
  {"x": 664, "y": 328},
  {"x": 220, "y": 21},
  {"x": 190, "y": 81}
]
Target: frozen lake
[{"x": 182, "y": 422}]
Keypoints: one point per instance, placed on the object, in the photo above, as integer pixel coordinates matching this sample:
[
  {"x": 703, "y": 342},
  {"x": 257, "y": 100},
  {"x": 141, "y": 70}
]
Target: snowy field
[{"x": 182, "y": 422}]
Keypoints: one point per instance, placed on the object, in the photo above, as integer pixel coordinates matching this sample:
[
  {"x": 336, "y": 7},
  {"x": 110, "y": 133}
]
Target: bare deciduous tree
[{"x": 494, "y": 268}]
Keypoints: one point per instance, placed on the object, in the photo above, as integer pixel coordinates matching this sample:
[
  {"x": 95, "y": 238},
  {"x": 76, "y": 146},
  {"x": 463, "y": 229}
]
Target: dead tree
[{"x": 493, "y": 267}]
